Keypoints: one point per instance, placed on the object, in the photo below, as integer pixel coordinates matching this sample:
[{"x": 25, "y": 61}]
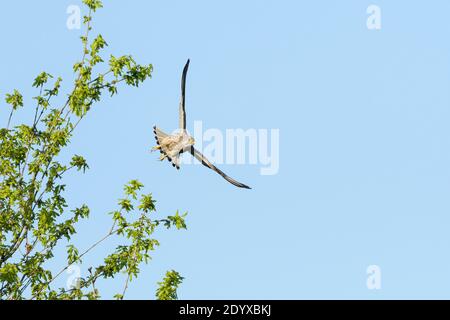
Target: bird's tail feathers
[{"x": 159, "y": 136}]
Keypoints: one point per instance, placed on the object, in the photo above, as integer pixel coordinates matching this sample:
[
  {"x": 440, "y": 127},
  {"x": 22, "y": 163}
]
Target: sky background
[{"x": 364, "y": 175}]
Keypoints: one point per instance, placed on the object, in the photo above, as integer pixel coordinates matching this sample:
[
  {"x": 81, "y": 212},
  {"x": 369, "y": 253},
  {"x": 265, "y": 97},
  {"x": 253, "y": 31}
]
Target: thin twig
[
  {"x": 9, "y": 119},
  {"x": 109, "y": 234}
]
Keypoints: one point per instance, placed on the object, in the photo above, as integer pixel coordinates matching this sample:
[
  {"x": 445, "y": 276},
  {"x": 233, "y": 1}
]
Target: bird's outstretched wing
[
  {"x": 208, "y": 164},
  {"x": 182, "y": 122}
]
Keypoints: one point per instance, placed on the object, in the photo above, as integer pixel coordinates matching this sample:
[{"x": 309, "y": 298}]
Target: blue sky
[{"x": 364, "y": 175}]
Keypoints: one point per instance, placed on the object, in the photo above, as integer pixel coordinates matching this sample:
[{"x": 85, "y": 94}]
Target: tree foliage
[
  {"x": 167, "y": 289},
  {"x": 34, "y": 215}
]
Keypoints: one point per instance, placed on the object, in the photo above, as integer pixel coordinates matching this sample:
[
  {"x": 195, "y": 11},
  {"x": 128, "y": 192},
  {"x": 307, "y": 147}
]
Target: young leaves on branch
[{"x": 167, "y": 289}]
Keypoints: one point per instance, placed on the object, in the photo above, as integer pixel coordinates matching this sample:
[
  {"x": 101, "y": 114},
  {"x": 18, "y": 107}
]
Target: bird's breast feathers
[{"x": 174, "y": 144}]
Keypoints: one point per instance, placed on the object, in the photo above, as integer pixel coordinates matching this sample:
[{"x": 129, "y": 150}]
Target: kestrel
[{"x": 172, "y": 146}]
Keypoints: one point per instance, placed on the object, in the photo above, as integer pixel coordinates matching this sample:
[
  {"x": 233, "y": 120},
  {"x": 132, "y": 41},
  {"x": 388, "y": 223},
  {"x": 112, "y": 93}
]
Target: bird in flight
[{"x": 172, "y": 146}]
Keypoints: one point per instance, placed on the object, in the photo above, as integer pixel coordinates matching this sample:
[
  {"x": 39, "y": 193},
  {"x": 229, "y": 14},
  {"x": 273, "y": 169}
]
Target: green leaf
[
  {"x": 15, "y": 99},
  {"x": 9, "y": 273},
  {"x": 131, "y": 188},
  {"x": 147, "y": 203},
  {"x": 72, "y": 254},
  {"x": 82, "y": 212},
  {"x": 79, "y": 162},
  {"x": 126, "y": 205},
  {"x": 178, "y": 220},
  {"x": 93, "y": 4},
  {"x": 41, "y": 79},
  {"x": 167, "y": 289}
]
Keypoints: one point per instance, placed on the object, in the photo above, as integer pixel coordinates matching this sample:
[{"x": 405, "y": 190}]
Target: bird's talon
[{"x": 155, "y": 148}]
